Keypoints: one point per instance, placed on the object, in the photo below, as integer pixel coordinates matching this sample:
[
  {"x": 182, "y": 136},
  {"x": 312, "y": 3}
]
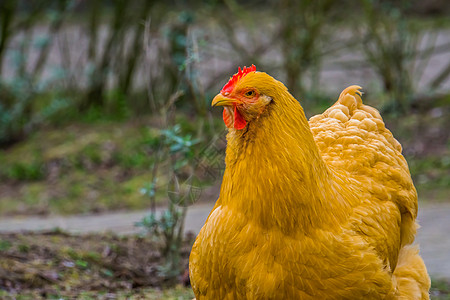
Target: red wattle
[{"x": 239, "y": 122}]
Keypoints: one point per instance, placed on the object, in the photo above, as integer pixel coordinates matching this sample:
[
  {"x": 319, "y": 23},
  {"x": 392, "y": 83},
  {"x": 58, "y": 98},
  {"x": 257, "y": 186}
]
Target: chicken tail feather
[{"x": 411, "y": 275}]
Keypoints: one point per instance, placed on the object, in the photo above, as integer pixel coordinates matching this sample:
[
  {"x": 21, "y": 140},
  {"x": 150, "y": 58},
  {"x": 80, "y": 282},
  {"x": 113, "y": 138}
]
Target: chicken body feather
[{"x": 323, "y": 209}]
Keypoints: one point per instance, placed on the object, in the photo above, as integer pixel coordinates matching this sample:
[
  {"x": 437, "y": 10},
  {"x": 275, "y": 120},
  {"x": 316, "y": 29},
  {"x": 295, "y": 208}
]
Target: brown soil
[{"x": 58, "y": 263}]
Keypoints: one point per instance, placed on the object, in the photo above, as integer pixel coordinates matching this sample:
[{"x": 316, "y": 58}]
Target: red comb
[{"x": 228, "y": 88}]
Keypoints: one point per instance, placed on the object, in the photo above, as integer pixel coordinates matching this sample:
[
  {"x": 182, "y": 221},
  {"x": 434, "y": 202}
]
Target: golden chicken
[{"x": 323, "y": 209}]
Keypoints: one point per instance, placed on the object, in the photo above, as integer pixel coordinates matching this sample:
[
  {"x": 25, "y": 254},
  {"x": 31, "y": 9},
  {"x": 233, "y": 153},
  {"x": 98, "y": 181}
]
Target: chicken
[{"x": 323, "y": 209}]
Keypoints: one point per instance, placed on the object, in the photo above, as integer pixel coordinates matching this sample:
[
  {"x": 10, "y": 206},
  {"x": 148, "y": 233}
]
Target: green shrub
[{"x": 25, "y": 171}]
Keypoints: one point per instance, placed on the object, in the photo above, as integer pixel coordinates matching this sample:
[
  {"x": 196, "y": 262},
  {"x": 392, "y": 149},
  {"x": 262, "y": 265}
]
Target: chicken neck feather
[{"x": 274, "y": 170}]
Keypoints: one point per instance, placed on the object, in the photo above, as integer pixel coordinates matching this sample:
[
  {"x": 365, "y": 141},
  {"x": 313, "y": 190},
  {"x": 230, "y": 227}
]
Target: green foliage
[
  {"x": 4, "y": 245},
  {"x": 24, "y": 248},
  {"x": 19, "y": 112},
  {"x": 29, "y": 99},
  {"x": 168, "y": 226},
  {"x": 22, "y": 171},
  {"x": 431, "y": 172},
  {"x": 81, "y": 264},
  {"x": 180, "y": 146},
  {"x": 162, "y": 226},
  {"x": 177, "y": 143},
  {"x": 440, "y": 289}
]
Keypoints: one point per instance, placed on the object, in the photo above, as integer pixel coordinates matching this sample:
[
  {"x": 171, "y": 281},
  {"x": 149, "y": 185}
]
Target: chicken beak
[{"x": 221, "y": 100}]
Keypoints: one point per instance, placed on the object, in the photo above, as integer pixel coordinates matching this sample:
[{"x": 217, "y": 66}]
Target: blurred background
[{"x": 105, "y": 108}]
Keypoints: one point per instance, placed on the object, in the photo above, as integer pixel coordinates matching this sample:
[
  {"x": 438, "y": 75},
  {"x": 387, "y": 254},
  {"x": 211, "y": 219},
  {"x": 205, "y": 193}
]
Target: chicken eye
[{"x": 250, "y": 93}]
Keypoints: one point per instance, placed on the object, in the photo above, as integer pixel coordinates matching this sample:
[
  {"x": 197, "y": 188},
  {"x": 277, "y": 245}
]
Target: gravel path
[{"x": 433, "y": 236}]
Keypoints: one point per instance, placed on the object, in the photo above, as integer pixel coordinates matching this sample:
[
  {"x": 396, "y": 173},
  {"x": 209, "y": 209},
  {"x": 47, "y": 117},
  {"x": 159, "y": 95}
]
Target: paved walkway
[
  {"x": 433, "y": 236},
  {"x": 117, "y": 222}
]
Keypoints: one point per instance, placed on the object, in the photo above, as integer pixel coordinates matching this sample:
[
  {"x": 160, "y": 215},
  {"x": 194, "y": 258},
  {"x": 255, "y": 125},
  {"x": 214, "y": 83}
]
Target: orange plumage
[{"x": 323, "y": 209}]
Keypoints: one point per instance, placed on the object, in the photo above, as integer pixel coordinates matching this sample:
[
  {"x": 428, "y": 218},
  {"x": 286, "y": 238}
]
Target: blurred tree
[
  {"x": 390, "y": 46},
  {"x": 102, "y": 62},
  {"x": 7, "y": 11},
  {"x": 19, "y": 112},
  {"x": 134, "y": 53},
  {"x": 183, "y": 55},
  {"x": 301, "y": 36}
]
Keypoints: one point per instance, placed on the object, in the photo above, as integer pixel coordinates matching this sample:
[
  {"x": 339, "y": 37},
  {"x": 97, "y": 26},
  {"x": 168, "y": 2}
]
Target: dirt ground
[{"x": 55, "y": 263}]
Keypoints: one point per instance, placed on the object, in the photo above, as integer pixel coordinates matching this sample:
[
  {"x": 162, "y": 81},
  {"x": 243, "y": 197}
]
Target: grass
[
  {"x": 78, "y": 165},
  {"x": 82, "y": 168},
  {"x": 440, "y": 289},
  {"x": 432, "y": 177}
]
